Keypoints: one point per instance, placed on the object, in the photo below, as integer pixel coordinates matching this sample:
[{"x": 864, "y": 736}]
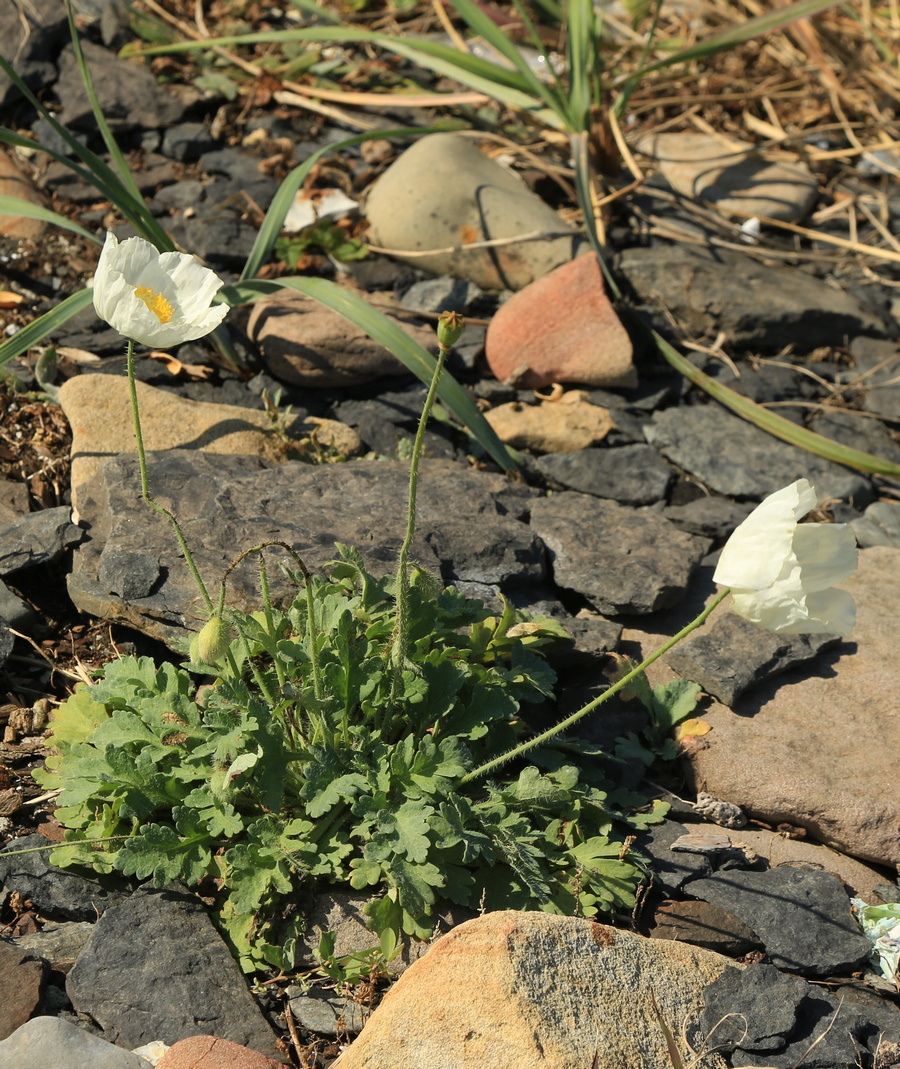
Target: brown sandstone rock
[
  {"x": 14, "y": 184},
  {"x": 561, "y": 328}
]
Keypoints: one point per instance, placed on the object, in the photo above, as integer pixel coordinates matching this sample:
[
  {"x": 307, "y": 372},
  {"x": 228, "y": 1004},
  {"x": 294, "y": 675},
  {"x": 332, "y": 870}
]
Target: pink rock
[
  {"x": 561, "y": 328},
  {"x": 210, "y": 1052}
]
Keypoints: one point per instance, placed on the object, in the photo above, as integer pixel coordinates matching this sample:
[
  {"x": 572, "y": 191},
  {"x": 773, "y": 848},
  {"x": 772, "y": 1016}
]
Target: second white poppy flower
[{"x": 781, "y": 571}]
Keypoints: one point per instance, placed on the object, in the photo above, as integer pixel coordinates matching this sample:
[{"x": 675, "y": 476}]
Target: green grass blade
[
  {"x": 509, "y": 87},
  {"x": 392, "y": 337},
  {"x": 583, "y": 63},
  {"x": 44, "y": 325},
  {"x": 578, "y": 143},
  {"x": 489, "y": 31},
  {"x": 284, "y": 198},
  {"x": 738, "y": 35},
  {"x": 14, "y": 206},
  {"x": 774, "y": 424}
]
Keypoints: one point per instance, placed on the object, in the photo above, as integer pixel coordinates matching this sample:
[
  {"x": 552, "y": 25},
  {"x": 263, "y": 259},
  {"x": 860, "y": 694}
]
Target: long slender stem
[
  {"x": 398, "y": 653},
  {"x": 551, "y": 733},
  {"x": 145, "y": 482}
]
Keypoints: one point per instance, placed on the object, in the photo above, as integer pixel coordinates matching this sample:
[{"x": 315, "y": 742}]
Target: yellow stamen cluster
[{"x": 157, "y": 304}]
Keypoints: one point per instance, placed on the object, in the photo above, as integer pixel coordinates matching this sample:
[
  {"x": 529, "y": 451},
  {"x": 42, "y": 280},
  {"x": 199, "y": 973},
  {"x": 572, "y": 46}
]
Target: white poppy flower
[
  {"x": 781, "y": 571},
  {"x": 159, "y": 299}
]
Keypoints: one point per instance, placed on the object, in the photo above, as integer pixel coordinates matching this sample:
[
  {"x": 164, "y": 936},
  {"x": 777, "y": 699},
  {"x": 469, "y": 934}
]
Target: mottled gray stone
[
  {"x": 621, "y": 560},
  {"x": 29, "y": 35},
  {"x": 802, "y": 916},
  {"x": 879, "y": 525},
  {"x": 444, "y": 294},
  {"x": 36, "y": 538},
  {"x": 630, "y": 474},
  {"x": 468, "y": 528},
  {"x": 326, "y": 1014},
  {"x": 156, "y": 968},
  {"x": 7, "y": 641},
  {"x": 128, "y": 575},
  {"x": 734, "y": 457},
  {"x": 187, "y": 141},
  {"x": 713, "y": 517},
  {"x": 45, "y": 1042},
  {"x": 758, "y": 306},
  {"x": 671, "y": 869},
  {"x": 734, "y": 654},
  {"x": 59, "y": 944},
  {"x": 857, "y": 431},
  {"x": 57, "y": 892},
  {"x": 763, "y": 1017}
]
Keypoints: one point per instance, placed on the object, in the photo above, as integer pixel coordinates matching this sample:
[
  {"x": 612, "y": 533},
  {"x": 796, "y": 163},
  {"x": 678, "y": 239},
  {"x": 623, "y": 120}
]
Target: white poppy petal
[
  {"x": 826, "y": 553},
  {"x": 774, "y": 609},
  {"x": 754, "y": 555},
  {"x": 833, "y": 612},
  {"x": 158, "y": 299}
]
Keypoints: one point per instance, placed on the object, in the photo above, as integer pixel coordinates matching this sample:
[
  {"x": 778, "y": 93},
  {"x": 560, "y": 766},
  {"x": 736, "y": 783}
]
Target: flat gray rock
[
  {"x": 45, "y": 1042},
  {"x": 59, "y": 893},
  {"x": 629, "y": 474},
  {"x": 29, "y": 34},
  {"x": 712, "y": 517},
  {"x": 878, "y": 526},
  {"x": 228, "y": 503},
  {"x": 36, "y": 538},
  {"x": 734, "y": 654},
  {"x": 712, "y": 290},
  {"x": 621, "y": 560},
  {"x": 802, "y": 916},
  {"x": 736, "y": 458},
  {"x": 189, "y": 985}
]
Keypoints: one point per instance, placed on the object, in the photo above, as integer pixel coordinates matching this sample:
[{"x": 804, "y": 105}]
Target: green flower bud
[
  {"x": 213, "y": 640},
  {"x": 449, "y": 327}
]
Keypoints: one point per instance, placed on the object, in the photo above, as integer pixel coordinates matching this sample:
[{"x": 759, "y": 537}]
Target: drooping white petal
[
  {"x": 832, "y": 611},
  {"x": 781, "y": 609},
  {"x": 754, "y": 555},
  {"x": 826, "y": 554}
]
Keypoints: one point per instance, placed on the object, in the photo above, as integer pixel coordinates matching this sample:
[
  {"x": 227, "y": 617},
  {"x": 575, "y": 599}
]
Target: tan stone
[
  {"x": 516, "y": 990},
  {"x": 731, "y": 175},
  {"x": 306, "y": 344},
  {"x": 562, "y": 426},
  {"x": 817, "y": 747},
  {"x": 14, "y": 184},
  {"x": 211, "y": 1052},
  {"x": 443, "y": 196},
  {"x": 99, "y": 412}
]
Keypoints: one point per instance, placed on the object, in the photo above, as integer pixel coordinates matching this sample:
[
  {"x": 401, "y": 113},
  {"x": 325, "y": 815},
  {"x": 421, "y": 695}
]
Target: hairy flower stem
[
  {"x": 145, "y": 483},
  {"x": 620, "y": 684},
  {"x": 401, "y": 627}
]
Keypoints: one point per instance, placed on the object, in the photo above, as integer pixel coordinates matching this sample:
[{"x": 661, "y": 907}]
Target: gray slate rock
[
  {"x": 879, "y": 525},
  {"x": 671, "y": 869},
  {"x": 324, "y": 1013},
  {"x": 59, "y": 944},
  {"x": 758, "y": 306},
  {"x": 7, "y": 641},
  {"x": 156, "y": 968},
  {"x": 444, "y": 294},
  {"x": 58, "y": 893},
  {"x": 713, "y": 517},
  {"x": 734, "y": 655},
  {"x": 784, "y": 1019},
  {"x": 621, "y": 560},
  {"x": 630, "y": 474},
  {"x": 13, "y": 500},
  {"x": 878, "y": 367},
  {"x": 51, "y": 1043},
  {"x": 858, "y": 431},
  {"x": 37, "y": 538},
  {"x": 129, "y": 95},
  {"x": 187, "y": 141},
  {"x": 802, "y": 916},
  {"x": 227, "y": 503},
  {"x": 30, "y": 34},
  {"x": 704, "y": 925},
  {"x": 736, "y": 458}
]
